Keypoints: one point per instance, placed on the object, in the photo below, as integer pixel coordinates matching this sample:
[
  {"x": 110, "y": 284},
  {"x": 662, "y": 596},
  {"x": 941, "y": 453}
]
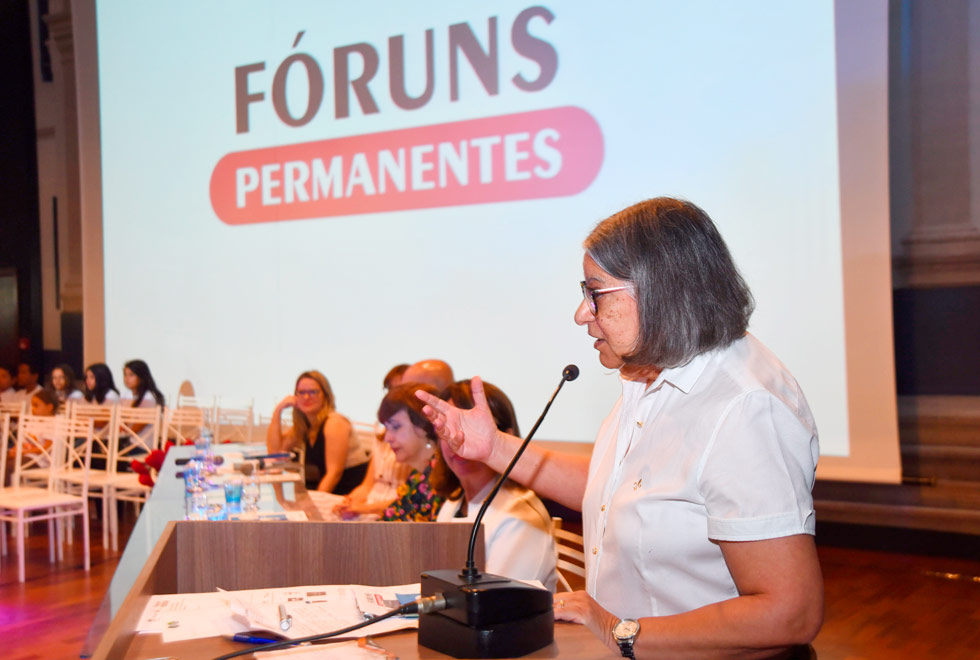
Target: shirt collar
[{"x": 683, "y": 378}]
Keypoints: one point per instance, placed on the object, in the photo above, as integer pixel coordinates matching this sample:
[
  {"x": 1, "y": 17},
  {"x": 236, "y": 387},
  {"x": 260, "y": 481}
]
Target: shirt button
[
  {"x": 602, "y": 508},
  {"x": 595, "y": 550},
  {"x": 639, "y": 424}
]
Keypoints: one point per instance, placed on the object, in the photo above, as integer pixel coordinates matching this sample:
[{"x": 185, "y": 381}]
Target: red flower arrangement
[{"x": 150, "y": 466}]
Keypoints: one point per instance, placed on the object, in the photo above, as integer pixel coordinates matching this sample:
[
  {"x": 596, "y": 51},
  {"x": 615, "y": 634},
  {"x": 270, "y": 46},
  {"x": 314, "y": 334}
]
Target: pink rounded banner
[{"x": 529, "y": 155}]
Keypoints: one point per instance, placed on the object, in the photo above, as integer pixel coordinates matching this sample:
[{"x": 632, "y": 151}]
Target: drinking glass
[
  {"x": 233, "y": 493},
  {"x": 216, "y": 511},
  {"x": 196, "y": 505},
  {"x": 250, "y": 492}
]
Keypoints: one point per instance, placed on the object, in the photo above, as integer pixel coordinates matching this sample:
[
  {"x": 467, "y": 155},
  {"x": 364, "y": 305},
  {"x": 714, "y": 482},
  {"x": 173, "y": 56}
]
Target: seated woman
[
  {"x": 384, "y": 475},
  {"x": 144, "y": 393},
  {"x": 100, "y": 388},
  {"x": 63, "y": 384},
  {"x": 379, "y": 488},
  {"x": 413, "y": 442},
  {"x": 335, "y": 459},
  {"x": 138, "y": 379},
  {"x": 519, "y": 541}
]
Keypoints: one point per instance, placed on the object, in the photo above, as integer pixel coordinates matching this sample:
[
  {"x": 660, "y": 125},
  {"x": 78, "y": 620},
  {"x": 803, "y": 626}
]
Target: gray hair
[{"x": 690, "y": 296}]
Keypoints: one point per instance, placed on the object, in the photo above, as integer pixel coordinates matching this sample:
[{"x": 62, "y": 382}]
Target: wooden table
[
  {"x": 167, "y": 555},
  {"x": 572, "y": 642},
  {"x": 194, "y": 556}
]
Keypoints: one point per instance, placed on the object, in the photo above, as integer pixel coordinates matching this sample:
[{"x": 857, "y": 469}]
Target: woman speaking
[{"x": 697, "y": 512}]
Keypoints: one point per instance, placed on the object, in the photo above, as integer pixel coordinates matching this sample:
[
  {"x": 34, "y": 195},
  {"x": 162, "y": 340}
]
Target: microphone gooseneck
[{"x": 569, "y": 373}]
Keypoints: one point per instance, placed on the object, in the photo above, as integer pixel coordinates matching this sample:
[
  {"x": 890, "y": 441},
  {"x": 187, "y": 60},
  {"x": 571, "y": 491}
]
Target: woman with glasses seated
[
  {"x": 696, "y": 505},
  {"x": 335, "y": 460},
  {"x": 518, "y": 535}
]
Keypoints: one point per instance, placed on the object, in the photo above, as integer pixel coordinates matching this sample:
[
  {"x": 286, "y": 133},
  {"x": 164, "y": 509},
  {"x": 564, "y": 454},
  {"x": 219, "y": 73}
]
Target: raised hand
[
  {"x": 288, "y": 401},
  {"x": 472, "y": 433}
]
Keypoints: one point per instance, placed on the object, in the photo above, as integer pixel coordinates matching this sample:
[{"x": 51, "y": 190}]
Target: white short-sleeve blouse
[{"x": 723, "y": 448}]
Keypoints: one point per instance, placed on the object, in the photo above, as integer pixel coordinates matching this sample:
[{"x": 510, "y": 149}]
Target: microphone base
[{"x": 488, "y": 616}]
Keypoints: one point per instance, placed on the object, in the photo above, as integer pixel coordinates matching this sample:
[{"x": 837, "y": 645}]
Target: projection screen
[{"x": 346, "y": 187}]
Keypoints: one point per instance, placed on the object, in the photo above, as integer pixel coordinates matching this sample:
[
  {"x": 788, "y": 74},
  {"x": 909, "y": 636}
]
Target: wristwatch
[{"x": 625, "y": 633}]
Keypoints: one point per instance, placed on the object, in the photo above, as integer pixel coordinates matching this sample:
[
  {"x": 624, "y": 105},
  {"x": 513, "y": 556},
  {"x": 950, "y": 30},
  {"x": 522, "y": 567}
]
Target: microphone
[
  {"x": 569, "y": 373},
  {"x": 217, "y": 460},
  {"x": 489, "y": 616},
  {"x": 252, "y": 463}
]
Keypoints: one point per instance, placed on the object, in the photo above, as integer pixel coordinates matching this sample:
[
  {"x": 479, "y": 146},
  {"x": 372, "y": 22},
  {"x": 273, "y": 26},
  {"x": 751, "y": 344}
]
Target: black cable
[{"x": 407, "y": 608}]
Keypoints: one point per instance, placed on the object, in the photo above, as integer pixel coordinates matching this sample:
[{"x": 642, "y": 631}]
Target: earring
[{"x": 428, "y": 445}]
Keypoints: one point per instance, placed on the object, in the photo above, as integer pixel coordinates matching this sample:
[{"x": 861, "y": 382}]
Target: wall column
[
  {"x": 938, "y": 158},
  {"x": 60, "y": 28}
]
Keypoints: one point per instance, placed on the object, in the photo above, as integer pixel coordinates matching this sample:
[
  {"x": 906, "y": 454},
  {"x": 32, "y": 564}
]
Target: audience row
[
  {"x": 405, "y": 475},
  {"x": 410, "y": 476},
  {"x": 98, "y": 386}
]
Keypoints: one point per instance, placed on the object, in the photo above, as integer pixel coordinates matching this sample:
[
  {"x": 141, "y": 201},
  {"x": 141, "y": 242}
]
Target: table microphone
[{"x": 489, "y": 616}]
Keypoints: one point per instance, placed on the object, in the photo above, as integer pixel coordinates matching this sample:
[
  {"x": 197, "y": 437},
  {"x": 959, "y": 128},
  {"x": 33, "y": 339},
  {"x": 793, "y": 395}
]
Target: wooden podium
[{"x": 201, "y": 556}]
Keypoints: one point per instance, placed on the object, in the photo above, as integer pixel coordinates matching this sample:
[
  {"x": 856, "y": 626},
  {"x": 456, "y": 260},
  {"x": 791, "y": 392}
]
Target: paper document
[
  {"x": 325, "y": 504},
  {"x": 269, "y": 515},
  {"x": 313, "y": 610},
  {"x": 278, "y": 477},
  {"x": 332, "y": 651}
]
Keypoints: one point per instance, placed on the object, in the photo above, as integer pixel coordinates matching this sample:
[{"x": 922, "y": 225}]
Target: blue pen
[{"x": 246, "y": 638}]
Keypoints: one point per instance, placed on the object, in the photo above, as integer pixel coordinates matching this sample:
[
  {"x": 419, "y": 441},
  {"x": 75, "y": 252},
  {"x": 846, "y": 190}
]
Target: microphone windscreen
[{"x": 570, "y": 372}]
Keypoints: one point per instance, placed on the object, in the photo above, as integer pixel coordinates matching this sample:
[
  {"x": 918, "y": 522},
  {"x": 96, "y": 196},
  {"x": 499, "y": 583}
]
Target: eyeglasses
[
  {"x": 591, "y": 294},
  {"x": 308, "y": 393}
]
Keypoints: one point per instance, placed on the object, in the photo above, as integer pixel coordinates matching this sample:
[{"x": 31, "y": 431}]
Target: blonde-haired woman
[{"x": 335, "y": 459}]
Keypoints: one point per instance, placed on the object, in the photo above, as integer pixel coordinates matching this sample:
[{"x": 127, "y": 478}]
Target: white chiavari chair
[
  {"x": 64, "y": 445},
  {"x": 135, "y": 433},
  {"x": 183, "y": 425},
  {"x": 569, "y": 553},
  {"x": 207, "y": 406},
  {"x": 15, "y": 409},
  {"x": 32, "y": 465},
  {"x": 233, "y": 420},
  {"x": 285, "y": 418},
  {"x": 5, "y": 447},
  {"x": 102, "y": 473}
]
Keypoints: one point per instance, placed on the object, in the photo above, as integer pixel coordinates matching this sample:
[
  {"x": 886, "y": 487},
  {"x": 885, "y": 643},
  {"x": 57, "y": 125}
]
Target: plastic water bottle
[
  {"x": 192, "y": 476},
  {"x": 251, "y": 493},
  {"x": 204, "y": 452}
]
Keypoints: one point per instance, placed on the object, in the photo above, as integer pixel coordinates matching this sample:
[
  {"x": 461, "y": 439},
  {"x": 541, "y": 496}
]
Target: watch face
[{"x": 626, "y": 628}]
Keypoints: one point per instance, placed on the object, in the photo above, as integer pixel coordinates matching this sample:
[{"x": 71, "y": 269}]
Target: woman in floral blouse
[{"x": 413, "y": 440}]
